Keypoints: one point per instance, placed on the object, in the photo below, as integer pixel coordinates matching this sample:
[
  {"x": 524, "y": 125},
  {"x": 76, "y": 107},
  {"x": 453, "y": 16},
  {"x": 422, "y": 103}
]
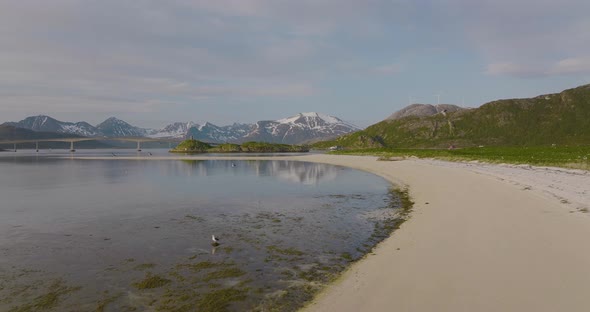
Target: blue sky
[{"x": 224, "y": 61}]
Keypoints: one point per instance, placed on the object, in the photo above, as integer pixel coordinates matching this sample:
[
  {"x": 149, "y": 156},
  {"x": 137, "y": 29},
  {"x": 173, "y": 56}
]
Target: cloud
[
  {"x": 525, "y": 37},
  {"x": 567, "y": 66},
  {"x": 572, "y": 65},
  {"x": 112, "y": 55},
  {"x": 389, "y": 69},
  {"x": 512, "y": 69}
]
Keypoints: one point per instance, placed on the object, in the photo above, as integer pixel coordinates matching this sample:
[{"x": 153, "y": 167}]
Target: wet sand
[{"x": 474, "y": 243}]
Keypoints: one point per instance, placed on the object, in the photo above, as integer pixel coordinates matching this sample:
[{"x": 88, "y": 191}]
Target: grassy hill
[{"x": 561, "y": 119}]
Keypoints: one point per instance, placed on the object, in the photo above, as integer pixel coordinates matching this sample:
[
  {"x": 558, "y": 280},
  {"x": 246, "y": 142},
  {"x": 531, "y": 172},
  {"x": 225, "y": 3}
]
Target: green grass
[{"x": 577, "y": 157}]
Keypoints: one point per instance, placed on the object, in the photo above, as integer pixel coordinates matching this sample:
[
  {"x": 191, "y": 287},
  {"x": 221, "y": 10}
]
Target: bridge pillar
[
  {"x": 139, "y": 146},
  {"x": 72, "y": 146},
  {"x": 37, "y": 147}
]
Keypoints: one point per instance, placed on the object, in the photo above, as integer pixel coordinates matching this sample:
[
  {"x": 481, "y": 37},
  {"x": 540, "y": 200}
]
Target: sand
[{"x": 479, "y": 239}]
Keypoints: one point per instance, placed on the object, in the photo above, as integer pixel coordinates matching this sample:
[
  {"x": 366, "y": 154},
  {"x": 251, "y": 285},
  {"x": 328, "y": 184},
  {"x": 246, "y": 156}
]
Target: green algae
[
  {"x": 103, "y": 303},
  {"x": 196, "y": 218},
  {"x": 223, "y": 273},
  {"x": 198, "y": 267},
  {"x": 151, "y": 281},
  {"x": 144, "y": 266},
  {"x": 220, "y": 300},
  {"x": 287, "y": 251},
  {"x": 48, "y": 300}
]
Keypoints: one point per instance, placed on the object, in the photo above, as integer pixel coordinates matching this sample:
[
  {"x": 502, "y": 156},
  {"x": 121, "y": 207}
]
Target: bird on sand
[{"x": 215, "y": 240}]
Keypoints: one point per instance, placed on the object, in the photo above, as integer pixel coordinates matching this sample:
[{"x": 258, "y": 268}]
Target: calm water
[{"x": 117, "y": 235}]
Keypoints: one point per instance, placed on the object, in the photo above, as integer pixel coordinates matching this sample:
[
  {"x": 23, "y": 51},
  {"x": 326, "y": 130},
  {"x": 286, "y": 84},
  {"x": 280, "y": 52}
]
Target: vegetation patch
[
  {"x": 198, "y": 267},
  {"x": 223, "y": 273},
  {"x": 220, "y": 300},
  {"x": 191, "y": 146},
  {"x": 195, "y": 146},
  {"x": 48, "y": 300},
  {"x": 287, "y": 251},
  {"x": 145, "y": 266},
  {"x": 151, "y": 281},
  {"x": 103, "y": 303}
]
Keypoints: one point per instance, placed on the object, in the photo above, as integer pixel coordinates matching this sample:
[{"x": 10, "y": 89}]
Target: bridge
[{"x": 139, "y": 140}]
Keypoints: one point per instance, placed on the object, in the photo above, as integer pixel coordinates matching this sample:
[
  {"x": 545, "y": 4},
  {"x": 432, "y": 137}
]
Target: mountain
[
  {"x": 301, "y": 128},
  {"x": 113, "y": 127},
  {"x": 298, "y": 129},
  {"x": 562, "y": 118},
  {"x": 423, "y": 110},
  {"x": 177, "y": 130},
  {"x": 44, "y": 123},
  {"x": 215, "y": 134},
  {"x": 10, "y": 133}
]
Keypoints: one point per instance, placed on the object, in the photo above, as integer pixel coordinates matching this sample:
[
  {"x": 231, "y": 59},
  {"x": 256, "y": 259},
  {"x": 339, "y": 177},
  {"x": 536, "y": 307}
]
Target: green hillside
[
  {"x": 561, "y": 119},
  {"x": 191, "y": 146}
]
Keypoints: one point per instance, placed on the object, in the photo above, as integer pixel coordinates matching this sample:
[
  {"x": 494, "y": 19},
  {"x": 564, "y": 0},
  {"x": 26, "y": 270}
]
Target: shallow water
[{"x": 119, "y": 235}]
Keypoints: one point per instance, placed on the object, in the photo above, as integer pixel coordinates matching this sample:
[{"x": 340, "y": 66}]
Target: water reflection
[{"x": 291, "y": 171}]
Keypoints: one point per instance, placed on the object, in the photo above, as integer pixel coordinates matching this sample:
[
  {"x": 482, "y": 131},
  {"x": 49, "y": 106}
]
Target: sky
[{"x": 155, "y": 62}]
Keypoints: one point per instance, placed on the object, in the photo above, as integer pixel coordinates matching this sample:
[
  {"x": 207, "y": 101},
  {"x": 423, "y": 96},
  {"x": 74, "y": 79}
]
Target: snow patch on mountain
[{"x": 177, "y": 130}]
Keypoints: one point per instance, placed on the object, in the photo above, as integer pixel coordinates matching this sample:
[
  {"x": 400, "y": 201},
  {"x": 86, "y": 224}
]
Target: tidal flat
[{"x": 132, "y": 235}]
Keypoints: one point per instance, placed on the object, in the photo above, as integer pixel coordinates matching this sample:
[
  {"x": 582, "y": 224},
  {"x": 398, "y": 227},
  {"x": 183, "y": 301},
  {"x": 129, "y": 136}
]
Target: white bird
[{"x": 215, "y": 240}]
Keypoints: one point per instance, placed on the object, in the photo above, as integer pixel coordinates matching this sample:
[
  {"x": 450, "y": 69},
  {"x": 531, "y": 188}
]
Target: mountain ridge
[{"x": 300, "y": 128}]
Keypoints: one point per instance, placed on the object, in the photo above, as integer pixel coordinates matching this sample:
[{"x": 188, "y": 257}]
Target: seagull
[
  {"x": 215, "y": 240},
  {"x": 149, "y": 153},
  {"x": 114, "y": 154},
  {"x": 233, "y": 165}
]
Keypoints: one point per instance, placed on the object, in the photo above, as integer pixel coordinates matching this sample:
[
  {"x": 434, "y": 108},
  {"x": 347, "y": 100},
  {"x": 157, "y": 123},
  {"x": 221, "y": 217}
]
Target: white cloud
[
  {"x": 524, "y": 37},
  {"x": 389, "y": 69},
  {"x": 513, "y": 69},
  {"x": 572, "y": 65}
]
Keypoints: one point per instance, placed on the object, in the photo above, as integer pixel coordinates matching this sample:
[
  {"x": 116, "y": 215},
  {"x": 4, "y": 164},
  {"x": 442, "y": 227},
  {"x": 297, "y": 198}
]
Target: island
[{"x": 196, "y": 146}]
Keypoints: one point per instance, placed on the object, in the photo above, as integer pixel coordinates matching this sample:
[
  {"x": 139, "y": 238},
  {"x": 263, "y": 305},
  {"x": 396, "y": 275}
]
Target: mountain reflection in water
[{"x": 291, "y": 171}]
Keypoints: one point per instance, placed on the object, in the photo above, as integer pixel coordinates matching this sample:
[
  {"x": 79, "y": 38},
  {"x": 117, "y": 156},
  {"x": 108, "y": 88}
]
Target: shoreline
[{"x": 473, "y": 243}]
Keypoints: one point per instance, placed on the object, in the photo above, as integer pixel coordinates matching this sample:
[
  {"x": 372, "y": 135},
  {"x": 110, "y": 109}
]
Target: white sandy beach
[{"x": 480, "y": 238}]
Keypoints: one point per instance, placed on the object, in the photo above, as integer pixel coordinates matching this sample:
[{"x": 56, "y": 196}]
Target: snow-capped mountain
[
  {"x": 44, "y": 123},
  {"x": 215, "y": 134},
  {"x": 301, "y": 128},
  {"x": 177, "y": 130},
  {"x": 113, "y": 127}
]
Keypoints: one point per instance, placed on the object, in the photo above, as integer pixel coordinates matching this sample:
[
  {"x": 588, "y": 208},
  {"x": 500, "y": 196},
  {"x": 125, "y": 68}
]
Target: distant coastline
[{"x": 192, "y": 146}]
